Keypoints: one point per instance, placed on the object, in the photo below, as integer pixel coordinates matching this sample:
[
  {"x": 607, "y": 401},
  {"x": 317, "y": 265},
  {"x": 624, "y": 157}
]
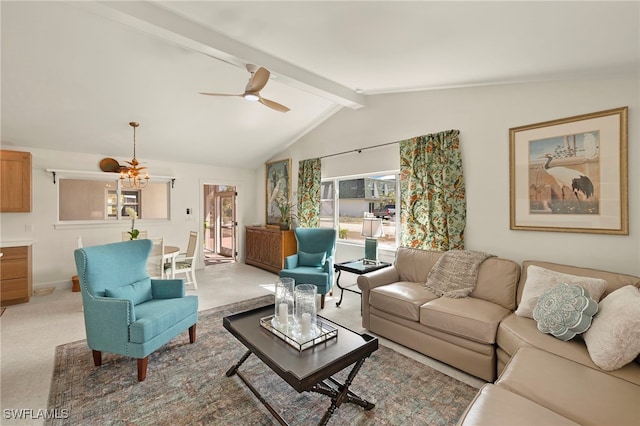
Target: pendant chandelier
[{"x": 132, "y": 176}]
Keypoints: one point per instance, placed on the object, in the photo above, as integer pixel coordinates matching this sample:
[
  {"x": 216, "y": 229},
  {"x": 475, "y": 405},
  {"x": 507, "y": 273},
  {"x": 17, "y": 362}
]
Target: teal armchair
[
  {"x": 313, "y": 263},
  {"x": 125, "y": 311}
]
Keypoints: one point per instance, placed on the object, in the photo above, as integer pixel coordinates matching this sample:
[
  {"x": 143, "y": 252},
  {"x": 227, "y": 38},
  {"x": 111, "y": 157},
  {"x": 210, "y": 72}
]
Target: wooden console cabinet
[
  {"x": 267, "y": 248},
  {"x": 15, "y": 275},
  {"x": 15, "y": 181}
]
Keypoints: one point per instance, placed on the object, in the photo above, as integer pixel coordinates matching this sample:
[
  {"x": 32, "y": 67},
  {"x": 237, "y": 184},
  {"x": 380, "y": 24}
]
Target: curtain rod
[{"x": 359, "y": 150}]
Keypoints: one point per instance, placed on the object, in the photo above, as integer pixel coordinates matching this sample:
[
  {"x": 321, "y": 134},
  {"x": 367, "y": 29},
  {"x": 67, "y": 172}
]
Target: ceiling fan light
[{"x": 251, "y": 97}]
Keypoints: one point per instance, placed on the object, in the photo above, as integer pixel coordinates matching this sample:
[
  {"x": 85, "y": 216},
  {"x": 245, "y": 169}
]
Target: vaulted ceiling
[{"x": 74, "y": 74}]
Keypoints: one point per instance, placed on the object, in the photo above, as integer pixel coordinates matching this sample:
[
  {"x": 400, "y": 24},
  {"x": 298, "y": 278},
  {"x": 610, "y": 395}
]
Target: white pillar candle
[
  {"x": 305, "y": 325},
  {"x": 283, "y": 313}
]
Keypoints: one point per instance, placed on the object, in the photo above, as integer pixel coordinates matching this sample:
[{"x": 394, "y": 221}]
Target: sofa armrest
[
  {"x": 374, "y": 279},
  {"x": 167, "y": 289},
  {"x": 377, "y": 278},
  {"x": 291, "y": 262}
]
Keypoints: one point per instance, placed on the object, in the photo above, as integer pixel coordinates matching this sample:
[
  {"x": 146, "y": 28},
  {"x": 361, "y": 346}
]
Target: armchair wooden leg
[
  {"x": 97, "y": 358},
  {"x": 322, "y": 301},
  {"x": 192, "y": 333},
  {"x": 142, "y": 368}
]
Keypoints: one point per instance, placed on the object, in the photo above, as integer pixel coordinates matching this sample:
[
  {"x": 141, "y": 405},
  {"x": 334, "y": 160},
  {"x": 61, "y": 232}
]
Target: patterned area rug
[{"x": 186, "y": 385}]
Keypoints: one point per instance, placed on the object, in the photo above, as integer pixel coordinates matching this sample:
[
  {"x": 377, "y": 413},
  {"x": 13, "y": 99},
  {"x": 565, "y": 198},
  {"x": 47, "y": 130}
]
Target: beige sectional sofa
[
  {"x": 460, "y": 332},
  {"x": 543, "y": 380},
  {"x": 540, "y": 388},
  {"x": 515, "y": 331}
]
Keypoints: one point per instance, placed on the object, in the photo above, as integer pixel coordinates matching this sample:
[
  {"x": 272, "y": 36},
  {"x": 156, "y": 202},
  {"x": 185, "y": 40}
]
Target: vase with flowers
[
  {"x": 133, "y": 234},
  {"x": 285, "y": 207}
]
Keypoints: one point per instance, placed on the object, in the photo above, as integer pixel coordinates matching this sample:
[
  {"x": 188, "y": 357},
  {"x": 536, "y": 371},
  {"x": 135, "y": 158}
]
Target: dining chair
[
  {"x": 185, "y": 263},
  {"x": 155, "y": 263}
]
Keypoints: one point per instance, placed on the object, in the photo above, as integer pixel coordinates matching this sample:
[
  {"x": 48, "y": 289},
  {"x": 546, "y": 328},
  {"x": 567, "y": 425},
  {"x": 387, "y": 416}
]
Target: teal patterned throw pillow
[{"x": 564, "y": 310}]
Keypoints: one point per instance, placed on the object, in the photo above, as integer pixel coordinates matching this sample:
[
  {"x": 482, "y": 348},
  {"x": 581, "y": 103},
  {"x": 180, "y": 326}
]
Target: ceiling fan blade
[
  {"x": 218, "y": 94},
  {"x": 258, "y": 80},
  {"x": 273, "y": 105}
]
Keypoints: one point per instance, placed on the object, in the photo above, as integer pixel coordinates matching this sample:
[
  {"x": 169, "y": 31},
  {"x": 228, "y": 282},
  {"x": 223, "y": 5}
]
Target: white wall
[
  {"x": 484, "y": 115},
  {"x": 53, "y": 262}
]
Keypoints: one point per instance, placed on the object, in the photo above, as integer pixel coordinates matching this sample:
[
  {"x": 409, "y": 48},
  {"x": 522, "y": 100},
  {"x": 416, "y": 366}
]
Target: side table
[{"x": 358, "y": 267}]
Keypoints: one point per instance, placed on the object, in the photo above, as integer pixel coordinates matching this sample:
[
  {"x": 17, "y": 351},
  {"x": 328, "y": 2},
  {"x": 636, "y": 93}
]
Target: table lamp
[{"x": 371, "y": 230}]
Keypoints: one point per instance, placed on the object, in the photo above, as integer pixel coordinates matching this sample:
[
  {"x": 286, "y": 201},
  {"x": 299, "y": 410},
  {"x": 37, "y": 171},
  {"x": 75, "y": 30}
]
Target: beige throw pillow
[
  {"x": 614, "y": 337},
  {"x": 540, "y": 279}
]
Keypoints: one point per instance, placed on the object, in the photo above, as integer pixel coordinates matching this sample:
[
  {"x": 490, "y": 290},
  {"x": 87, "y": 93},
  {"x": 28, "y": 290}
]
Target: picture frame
[
  {"x": 277, "y": 186},
  {"x": 570, "y": 174}
]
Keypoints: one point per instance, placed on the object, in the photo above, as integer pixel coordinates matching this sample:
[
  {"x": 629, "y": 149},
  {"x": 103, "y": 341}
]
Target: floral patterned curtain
[
  {"x": 309, "y": 193},
  {"x": 432, "y": 192}
]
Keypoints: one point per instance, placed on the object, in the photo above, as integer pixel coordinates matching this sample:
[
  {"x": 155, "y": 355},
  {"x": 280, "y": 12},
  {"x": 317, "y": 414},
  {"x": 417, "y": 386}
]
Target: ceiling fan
[{"x": 258, "y": 79}]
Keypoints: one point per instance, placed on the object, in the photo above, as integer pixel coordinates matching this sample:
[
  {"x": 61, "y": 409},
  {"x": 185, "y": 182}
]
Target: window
[
  {"x": 96, "y": 200},
  {"x": 344, "y": 201},
  {"x": 127, "y": 199}
]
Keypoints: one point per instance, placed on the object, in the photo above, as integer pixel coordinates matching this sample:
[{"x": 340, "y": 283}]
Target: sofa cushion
[
  {"x": 564, "y": 311},
  {"x": 401, "y": 298},
  {"x": 614, "y": 280},
  {"x": 470, "y": 318},
  {"x": 540, "y": 279},
  {"x": 516, "y": 332},
  {"x": 311, "y": 259},
  {"x": 414, "y": 265},
  {"x": 155, "y": 317},
  {"x": 496, "y": 406},
  {"x": 498, "y": 282},
  {"x": 137, "y": 292},
  {"x": 614, "y": 338},
  {"x": 582, "y": 394}
]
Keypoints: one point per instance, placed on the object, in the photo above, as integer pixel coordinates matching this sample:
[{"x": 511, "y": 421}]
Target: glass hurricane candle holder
[
  {"x": 283, "y": 317},
  {"x": 305, "y": 312}
]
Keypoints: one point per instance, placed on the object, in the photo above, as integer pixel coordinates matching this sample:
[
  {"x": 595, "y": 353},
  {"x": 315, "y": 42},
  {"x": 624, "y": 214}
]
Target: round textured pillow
[{"x": 564, "y": 310}]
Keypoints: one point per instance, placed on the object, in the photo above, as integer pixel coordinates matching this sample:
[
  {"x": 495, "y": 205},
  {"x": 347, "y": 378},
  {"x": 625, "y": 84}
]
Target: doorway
[{"x": 220, "y": 224}]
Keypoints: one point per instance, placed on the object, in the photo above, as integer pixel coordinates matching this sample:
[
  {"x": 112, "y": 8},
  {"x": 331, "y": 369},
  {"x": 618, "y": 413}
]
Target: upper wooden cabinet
[{"x": 15, "y": 181}]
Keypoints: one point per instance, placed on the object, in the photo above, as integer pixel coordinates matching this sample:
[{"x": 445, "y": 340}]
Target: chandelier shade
[{"x": 134, "y": 176}]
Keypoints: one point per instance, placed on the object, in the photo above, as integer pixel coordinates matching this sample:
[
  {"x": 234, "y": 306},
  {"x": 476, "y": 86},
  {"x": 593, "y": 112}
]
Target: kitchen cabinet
[
  {"x": 15, "y": 275},
  {"x": 15, "y": 181}
]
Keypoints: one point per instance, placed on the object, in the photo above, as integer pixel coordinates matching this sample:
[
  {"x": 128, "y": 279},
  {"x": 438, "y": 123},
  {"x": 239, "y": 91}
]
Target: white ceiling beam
[{"x": 162, "y": 23}]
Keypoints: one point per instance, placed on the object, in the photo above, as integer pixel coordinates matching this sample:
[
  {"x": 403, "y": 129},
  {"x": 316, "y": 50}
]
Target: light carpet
[{"x": 186, "y": 384}]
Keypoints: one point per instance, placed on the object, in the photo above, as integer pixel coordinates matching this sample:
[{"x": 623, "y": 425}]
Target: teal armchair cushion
[
  {"x": 154, "y": 317},
  {"x": 311, "y": 259},
  {"x": 137, "y": 292}
]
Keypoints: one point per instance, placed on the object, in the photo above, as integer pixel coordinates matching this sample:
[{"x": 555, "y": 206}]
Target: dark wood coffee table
[{"x": 310, "y": 370}]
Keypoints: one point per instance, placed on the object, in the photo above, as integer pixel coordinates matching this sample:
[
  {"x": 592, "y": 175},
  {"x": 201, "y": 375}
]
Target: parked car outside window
[{"x": 386, "y": 212}]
